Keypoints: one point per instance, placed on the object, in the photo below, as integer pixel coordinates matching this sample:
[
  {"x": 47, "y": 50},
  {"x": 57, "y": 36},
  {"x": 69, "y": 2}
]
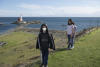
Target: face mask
[{"x": 44, "y": 29}]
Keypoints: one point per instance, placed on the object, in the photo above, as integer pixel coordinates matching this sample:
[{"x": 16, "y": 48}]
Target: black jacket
[{"x": 45, "y": 41}]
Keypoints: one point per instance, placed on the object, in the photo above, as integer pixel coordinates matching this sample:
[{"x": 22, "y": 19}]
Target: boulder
[
  {"x": 1, "y": 23},
  {"x": 2, "y": 43}
]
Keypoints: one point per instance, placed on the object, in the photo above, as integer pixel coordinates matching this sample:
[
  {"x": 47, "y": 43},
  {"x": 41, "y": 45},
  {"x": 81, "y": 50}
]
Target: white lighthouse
[{"x": 21, "y": 18}]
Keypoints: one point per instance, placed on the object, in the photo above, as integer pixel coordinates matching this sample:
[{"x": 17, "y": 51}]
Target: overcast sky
[{"x": 50, "y": 8}]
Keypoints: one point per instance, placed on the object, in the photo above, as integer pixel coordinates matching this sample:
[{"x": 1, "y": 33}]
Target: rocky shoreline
[
  {"x": 26, "y": 22},
  {"x": 54, "y": 32}
]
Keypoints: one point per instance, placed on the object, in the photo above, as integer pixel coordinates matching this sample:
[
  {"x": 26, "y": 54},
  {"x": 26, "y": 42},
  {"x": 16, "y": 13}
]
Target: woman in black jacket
[{"x": 44, "y": 43}]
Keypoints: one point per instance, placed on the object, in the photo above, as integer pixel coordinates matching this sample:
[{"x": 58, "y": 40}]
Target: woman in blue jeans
[{"x": 71, "y": 33}]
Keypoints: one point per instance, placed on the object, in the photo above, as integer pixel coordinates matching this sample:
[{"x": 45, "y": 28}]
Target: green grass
[
  {"x": 20, "y": 49},
  {"x": 85, "y": 54}
]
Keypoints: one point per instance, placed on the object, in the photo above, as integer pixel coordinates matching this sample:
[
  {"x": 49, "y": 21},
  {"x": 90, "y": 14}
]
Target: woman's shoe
[
  {"x": 45, "y": 65},
  {"x": 72, "y": 47},
  {"x": 41, "y": 65}
]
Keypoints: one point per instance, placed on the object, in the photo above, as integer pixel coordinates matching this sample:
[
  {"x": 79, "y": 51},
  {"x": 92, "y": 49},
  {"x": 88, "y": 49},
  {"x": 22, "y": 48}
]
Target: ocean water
[{"x": 54, "y": 23}]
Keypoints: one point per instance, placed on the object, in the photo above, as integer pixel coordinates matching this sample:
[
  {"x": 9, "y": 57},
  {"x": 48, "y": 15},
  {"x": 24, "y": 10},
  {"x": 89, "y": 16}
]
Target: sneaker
[
  {"x": 45, "y": 65},
  {"x": 41, "y": 65},
  {"x": 72, "y": 47}
]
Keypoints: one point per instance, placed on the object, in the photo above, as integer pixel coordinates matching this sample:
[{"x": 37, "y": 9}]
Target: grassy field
[
  {"x": 20, "y": 51},
  {"x": 85, "y": 54}
]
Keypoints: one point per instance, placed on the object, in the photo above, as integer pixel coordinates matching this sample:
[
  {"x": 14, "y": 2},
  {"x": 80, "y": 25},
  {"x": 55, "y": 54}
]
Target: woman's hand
[
  {"x": 71, "y": 35},
  {"x": 50, "y": 50}
]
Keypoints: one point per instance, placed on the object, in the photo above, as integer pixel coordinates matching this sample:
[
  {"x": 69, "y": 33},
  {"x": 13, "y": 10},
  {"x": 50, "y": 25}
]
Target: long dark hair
[
  {"x": 41, "y": 31},
  {"x": 70, "y": 20}
]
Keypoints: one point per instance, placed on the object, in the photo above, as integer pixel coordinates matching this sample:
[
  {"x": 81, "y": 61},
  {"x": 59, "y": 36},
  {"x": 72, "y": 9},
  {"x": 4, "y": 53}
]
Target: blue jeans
[
  {"x": 45, "y": 54},
  {"x": 70, "y": 41}
]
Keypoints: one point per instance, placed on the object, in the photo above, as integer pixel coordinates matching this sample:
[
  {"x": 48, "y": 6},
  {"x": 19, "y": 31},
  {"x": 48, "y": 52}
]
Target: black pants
[{"x": 44, "y": 57}]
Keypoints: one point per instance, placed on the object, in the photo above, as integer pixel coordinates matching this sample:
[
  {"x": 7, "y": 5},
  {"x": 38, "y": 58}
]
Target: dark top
[{"x": 45, "y": 41}]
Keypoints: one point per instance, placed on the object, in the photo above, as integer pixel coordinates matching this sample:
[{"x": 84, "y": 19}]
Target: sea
[{"x": 53, "y": 23}]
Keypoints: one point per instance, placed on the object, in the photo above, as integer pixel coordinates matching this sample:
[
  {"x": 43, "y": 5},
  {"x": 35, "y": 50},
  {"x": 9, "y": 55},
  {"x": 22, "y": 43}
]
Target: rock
[
  {"x": 2, "y": 43},
  {"x": 26, "y": 22},
  {"x": 33, "y": 22},
  {"x": 17, "y": 22},
  {"x": 1, "y": 24}
]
